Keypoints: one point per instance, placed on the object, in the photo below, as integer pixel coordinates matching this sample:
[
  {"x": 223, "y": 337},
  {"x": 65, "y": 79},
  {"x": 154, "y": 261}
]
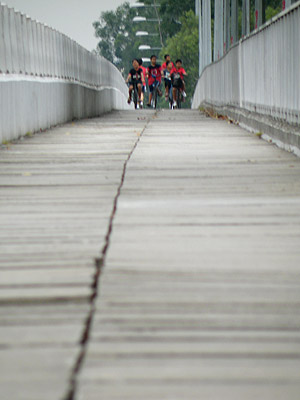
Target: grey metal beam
[
  {"x": 246, "y": 18},
  {"x": 218, "y": 30},
  {"x": 286, "y": 4},
  {"x": 234, "y": 21},
  {"x": 204, "y": 33},
  {"x": 197, "y": 7},
  {"x": 200, "y": 36},
  {"x": 259, "y": 13},
  {"x": 207, "y": 16},
  {"x": 205, "y": 42},
  {"x": 226, "y": 25}
]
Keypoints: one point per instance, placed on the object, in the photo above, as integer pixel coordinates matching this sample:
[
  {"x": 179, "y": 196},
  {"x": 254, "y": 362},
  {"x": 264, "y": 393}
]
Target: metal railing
[
  {"x": 261, "y": 73},
  {"x": 75, "y": 82}
]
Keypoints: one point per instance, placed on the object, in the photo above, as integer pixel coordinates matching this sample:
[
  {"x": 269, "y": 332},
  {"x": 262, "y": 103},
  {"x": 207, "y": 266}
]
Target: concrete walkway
[{"x": 149, "y": 256}]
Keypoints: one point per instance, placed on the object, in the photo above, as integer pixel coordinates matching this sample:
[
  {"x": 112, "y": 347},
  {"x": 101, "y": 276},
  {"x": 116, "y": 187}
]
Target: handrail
[
  {"x": 32, "y": 55},
  {"x": 260, "y": 74}
]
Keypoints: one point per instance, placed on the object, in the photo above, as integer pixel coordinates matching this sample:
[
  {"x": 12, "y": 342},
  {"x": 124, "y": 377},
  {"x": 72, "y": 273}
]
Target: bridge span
[{"x": 149, "y": 255}]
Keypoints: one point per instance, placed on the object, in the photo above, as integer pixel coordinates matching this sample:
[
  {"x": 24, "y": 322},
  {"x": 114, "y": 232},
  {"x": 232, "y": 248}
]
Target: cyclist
[
  {"x": 167, "y": 78},
  {"x": 135, "y": 77},
  {"x": 154, "y": 78},
  {"x": 167, "y": 59},
  {"x": 163, "y": 68},
  {"x": 177, "y": 75},
  {"x": 144, "y": 89}
]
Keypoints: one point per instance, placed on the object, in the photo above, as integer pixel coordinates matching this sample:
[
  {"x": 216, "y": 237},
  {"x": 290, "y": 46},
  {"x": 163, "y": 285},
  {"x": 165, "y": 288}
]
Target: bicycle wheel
[
  {"x": 155, "y": 98},
  {"x": 178, "y": 98},
  {"x": 171, "y": 98},
  {"x": 135, "y": 97}
]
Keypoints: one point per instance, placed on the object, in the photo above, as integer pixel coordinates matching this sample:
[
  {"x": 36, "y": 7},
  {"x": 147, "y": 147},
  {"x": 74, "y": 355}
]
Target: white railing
[
  {"x": 260, "y": 74},
  {"x": 46, "y": 78}
]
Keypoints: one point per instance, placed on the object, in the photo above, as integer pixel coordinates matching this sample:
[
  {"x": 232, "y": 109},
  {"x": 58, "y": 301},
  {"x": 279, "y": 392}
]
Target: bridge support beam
[
  {"x": 226, "y": 25},
  {"x": 286, "y": 4},
  {"x": 207, "y": 31},
  {"x": 246, "y": 18},
  {"x": 218, "y": 30},
  {"x": 234, "y": 21},
  {"x": 259, "y": 13},
  {"x": 199, "y": 10},
  {"x": 205, "y": 50}
]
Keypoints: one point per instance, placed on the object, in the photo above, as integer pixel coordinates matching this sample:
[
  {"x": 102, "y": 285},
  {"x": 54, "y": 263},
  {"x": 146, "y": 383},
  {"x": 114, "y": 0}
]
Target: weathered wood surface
[{"x": 200, "y": 291}]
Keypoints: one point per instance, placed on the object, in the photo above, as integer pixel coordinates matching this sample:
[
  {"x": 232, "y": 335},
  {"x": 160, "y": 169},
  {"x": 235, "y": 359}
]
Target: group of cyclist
[{"x": 173, "y": 76}]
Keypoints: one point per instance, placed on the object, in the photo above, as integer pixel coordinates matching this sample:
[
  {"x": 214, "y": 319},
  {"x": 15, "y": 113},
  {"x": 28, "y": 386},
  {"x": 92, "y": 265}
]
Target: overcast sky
[{"x": 72, "y": 17}]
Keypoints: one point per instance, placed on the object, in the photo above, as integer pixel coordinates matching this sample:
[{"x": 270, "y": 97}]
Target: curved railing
[
  {"x": 258, "y": 80},
  {"x": 46, "y": 78}
]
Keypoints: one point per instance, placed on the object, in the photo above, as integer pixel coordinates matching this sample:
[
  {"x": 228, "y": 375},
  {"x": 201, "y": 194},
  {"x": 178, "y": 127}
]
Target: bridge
[{"x": 151, "y": 254}]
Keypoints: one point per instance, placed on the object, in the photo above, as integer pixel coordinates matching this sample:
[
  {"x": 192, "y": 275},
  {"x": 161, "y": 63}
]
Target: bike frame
[
  {"x": 178, "y": 97},
  {"x": 135, "y": 95},
  {"x": 155, "y": 92},
  {"x": 171, "y": 101}
]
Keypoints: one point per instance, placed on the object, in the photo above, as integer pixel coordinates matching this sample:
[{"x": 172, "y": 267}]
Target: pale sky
[{"x": 71, "y": 17}]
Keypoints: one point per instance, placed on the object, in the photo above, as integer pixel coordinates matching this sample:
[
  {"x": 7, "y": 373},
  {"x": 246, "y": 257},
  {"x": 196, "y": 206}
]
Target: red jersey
[
  {"x": 180, "y": 71},
  {"x": 164, "y": 66},
  {"x": 156, "y": 71},
  {"x": 145, "y": 73}
]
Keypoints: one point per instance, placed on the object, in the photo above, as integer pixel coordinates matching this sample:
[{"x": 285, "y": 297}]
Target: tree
[
  {"x": 171, "y": 11},
  {"x": 273, "y": 7},
  {"x": 184, "y": 45},
  {"x": 116, "y": 32}
]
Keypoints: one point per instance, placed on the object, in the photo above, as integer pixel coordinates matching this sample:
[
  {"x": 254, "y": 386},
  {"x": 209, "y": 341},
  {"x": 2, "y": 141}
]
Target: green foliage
[
  {"x": 274, "y": 4},
  {"x": 272, "y": 11},
  {"x": 184, "y": 45},
  {"x": 117, "y": 36},
  {"x": 170, "y": 12}
]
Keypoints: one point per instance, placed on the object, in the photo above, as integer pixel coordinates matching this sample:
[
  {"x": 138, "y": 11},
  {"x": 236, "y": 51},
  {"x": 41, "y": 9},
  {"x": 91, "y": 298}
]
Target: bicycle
[
  {"x": 154, "y": 100},
  {"x": 135, "y": 95},
  {"x": 179, "y": 98},
  {"x": 171, "y": 98}
]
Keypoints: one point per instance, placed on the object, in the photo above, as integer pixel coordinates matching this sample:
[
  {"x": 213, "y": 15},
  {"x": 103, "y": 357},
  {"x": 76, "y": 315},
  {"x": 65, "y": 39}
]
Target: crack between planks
[{"x": 99, "y": 264}]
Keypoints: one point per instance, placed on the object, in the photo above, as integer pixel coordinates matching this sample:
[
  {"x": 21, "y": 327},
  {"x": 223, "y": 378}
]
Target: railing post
[
  {"x": 40, "y": 29},
  {"x": 20, "y": 44},
  {"x": 226, "y": 25},
  {"x": 206, "y": 12},
  {"x": 218, "y": 30},
  {"x": 286, "y": 4},
  {"x": 31, "y": 58},
  {"x": 200, "y": 37},
  {"x": 246, "y": 18},
  {"x": 60, "y": 55},
  {"x": 2, "y": 43},
  {"x": 15, "y": 55},
  {"x": 6, "y": 53},
  {"x": 234, "y": 21},
  {"x": 197, "y": 8},
  {"x": 259, "y": 13},
  {"x": 36, "y": 52},
  {"x": 25, "y": 44}
]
